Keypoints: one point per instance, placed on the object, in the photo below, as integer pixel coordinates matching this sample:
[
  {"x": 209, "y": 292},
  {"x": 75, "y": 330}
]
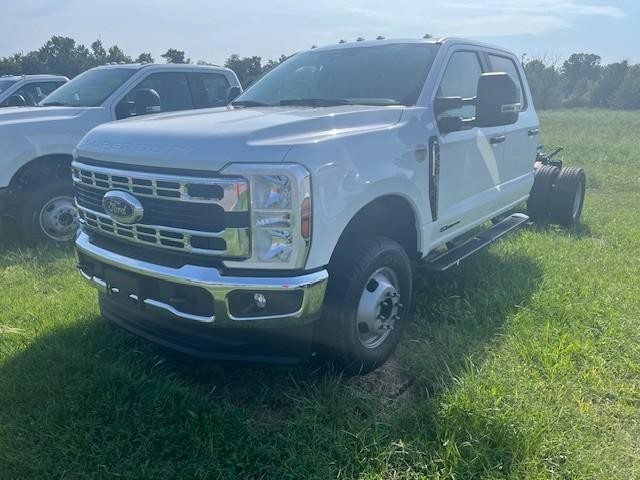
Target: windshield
[
  {"x": 368, "y": 75},
  {"x": 4, "y": 84},
  {"x": 89, "y": 89}
]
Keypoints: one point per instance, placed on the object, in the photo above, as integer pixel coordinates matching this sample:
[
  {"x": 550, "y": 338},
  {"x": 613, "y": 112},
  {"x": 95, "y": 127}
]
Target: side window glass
[
  {"x": 461, "y": 80},
  {"x": 172, "y": 87},
  {"x": 33, "y": 93},
  {"x": 216, "y": 87},
  {"x": 507, "y": 65}
]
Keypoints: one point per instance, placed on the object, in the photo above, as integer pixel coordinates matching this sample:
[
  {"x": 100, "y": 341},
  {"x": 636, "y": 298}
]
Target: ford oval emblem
[{"x": 122, "y": 207}]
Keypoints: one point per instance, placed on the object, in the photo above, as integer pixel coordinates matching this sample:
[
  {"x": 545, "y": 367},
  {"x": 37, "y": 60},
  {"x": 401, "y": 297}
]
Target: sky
[{"x": 211, "y": 30}]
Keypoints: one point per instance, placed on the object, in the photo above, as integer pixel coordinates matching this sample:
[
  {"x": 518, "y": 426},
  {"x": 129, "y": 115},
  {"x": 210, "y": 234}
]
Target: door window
[
  {"x": 507, "y": 65},
  {"x": 34, "y": 93},
  {"x": 216, "y": 87},
  {"x": 461, "y": 80},
  {"x": 172, "y": 87}
]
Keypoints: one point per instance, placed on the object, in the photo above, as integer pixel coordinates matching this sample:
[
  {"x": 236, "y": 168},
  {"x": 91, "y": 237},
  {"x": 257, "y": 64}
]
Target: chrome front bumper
[{"x": 312, "y": 285}]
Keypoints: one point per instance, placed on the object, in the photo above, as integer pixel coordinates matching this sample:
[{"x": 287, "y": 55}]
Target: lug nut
[{"x": 260, "y": 300}]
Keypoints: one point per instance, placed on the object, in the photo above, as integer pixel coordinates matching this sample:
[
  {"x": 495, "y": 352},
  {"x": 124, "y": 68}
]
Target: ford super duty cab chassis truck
[
  {"x": 36, "y": 143},
  {"x": 289, "y": 221}
]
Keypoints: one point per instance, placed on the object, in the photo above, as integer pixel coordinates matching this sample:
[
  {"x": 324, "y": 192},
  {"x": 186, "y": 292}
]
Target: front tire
[
  {"x": 368, "y": 303},
  {"x": 49, "y": 213}
]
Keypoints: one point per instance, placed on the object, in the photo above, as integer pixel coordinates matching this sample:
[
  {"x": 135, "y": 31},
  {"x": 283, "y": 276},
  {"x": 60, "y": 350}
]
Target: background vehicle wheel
[
  {"x": 538, "y": 205},
  {"x": 49, "y": 213},
  {"x": 368, "y": 303},
  {"x": 567, "y": 197}
]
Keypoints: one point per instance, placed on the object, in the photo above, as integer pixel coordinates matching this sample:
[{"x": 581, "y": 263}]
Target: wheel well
[
  {"x": 390, "y": 216},
  {"x": 42, "y": 168}
]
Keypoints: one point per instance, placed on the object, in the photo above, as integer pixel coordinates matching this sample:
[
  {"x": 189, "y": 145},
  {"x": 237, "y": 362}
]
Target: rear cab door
[{"x": 522, "y": 138}]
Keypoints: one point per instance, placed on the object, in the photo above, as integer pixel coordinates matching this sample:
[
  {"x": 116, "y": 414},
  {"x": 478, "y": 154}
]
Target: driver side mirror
[
  {"x": 16, "y": 101},
  {"x": 497, "y": 101},
  {"x": 232, "y": 93},
  {"x": 147, "y": 101}
]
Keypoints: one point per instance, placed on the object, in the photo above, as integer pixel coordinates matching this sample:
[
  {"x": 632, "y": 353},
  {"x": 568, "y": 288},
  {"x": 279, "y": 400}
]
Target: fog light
[{"x": 260, "y": 299}]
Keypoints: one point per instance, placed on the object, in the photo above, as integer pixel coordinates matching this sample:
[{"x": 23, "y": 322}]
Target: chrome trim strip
[
  {"x": 235, "y": 190},
  {"x": 174, "y": 311},
  {"x": 220, "y": 286}
]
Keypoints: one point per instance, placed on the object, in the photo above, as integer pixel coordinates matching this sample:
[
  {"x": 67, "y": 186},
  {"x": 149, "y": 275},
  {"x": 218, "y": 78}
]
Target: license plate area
[{"x": 123, "y": 285}]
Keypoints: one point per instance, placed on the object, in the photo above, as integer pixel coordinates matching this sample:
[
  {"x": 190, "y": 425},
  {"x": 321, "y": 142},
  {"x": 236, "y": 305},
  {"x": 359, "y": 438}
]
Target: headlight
[{"x": 280, "y": 214}]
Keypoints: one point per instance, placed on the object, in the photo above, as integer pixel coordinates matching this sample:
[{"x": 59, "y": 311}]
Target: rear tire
[
  {"x": 49, "y": 213},
  {"x": 368, "y": 303},
  {"x": 538, "y": 205},
  {"x": 567, "y": 197}
]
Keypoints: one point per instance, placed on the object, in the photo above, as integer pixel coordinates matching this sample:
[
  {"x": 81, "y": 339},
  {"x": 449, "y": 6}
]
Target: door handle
[
  {"x": 498, "y": 139},
  {"x": 533, "y": 132}
]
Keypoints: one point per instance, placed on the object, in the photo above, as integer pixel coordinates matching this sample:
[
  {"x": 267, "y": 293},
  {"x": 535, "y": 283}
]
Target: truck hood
[
  {"x": 36, "y": 114},
  {"x": 210, "y": 139}
]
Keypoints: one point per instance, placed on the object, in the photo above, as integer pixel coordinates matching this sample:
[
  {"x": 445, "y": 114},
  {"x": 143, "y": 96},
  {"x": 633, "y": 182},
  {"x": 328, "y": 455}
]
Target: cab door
[
  {"x": 522, "y": 139},
  {"x": 467, "y": 160}
]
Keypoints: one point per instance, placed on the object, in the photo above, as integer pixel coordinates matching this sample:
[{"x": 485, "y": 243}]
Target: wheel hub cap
[
  {"x": 379, "y": 308},
  {"x": 59, "y": 219}
]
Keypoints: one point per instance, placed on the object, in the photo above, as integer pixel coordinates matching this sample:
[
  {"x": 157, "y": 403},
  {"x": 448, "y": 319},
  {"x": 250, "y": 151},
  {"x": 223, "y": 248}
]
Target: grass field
[{"x": 522, "y": 363}]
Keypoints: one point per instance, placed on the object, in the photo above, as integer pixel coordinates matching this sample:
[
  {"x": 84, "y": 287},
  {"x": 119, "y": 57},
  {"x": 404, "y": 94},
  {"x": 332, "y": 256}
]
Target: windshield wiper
[
  {"x": 316, "y": 102},
  {"x": 249, "y": 103},
  {"x": 55, "y": 104}
]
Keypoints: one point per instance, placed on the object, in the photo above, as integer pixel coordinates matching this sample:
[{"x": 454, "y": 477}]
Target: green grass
[{"x": 522, "y": 363}]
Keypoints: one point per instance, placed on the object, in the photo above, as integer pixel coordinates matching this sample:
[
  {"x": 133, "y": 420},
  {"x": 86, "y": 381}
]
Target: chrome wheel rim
[
  {"x": 379, "y": 308},
  {"x": 577, "y": 200},
  {"x": 59, "y": 219}
]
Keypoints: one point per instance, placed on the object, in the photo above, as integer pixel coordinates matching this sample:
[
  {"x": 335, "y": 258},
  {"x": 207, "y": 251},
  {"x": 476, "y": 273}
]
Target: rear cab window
[
  {"x": 502, "y": 63},
  {"x": 215, "y": 89}
]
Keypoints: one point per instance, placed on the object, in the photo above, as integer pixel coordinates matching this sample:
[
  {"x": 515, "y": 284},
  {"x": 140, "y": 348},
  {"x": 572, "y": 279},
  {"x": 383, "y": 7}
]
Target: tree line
[{"x": 580, "y": 81}]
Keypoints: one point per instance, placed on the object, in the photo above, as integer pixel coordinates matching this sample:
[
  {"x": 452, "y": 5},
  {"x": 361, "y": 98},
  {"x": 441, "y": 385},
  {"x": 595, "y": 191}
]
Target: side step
[{"x": 455, "y": 255}]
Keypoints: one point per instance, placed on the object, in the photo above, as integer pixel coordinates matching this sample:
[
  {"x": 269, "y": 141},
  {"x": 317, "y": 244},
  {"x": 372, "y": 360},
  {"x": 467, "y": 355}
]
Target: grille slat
[{"x": 173, "y": 218}]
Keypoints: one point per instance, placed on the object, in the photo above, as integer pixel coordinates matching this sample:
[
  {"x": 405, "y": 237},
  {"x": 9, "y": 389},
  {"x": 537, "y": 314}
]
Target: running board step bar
[{"x": 454, "y": 256}]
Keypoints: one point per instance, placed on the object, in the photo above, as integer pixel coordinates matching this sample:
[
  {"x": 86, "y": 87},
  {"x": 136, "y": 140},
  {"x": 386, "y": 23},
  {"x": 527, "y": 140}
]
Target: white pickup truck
[
  {"x": 27, "y": 90},
  {"x": 36, "y": 143},
  {"x": 288, "y": 222}
]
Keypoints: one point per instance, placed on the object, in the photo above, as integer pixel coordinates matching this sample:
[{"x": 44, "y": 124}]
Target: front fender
[
  {"x": 350, "y": 172},
  {"x": 24, "y": 140}
]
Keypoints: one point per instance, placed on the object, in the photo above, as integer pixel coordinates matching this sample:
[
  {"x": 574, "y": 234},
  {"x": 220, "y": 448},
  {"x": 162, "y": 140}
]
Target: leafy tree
[
  {"x": 175, "y": 56},
  {"x": 628, "y": 94},
  {"x": 604, "y": 91},
  {"x": 99, "y": 53},
  {"x": 116, "y": 55},
  {"x": 144, "y": 58},
  {"x": 248, "y": 69},
  {"x": 545, "y": 83},
  {"x": 578, "y": 67}
]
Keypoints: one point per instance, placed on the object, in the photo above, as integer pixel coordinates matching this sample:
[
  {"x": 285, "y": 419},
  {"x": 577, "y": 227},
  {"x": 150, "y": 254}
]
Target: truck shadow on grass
[{"x": 89, "y": 397}]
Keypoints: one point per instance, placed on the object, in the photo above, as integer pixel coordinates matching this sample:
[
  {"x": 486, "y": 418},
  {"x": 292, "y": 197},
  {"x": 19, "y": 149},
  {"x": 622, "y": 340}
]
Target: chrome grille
[{"x": 207, "y": 216}]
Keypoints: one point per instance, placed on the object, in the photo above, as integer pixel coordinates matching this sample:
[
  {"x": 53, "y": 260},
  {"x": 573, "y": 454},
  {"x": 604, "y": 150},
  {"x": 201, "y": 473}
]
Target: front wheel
[
  {"x": 49, "y": 213},
  {"x": 368, "y": 302}
]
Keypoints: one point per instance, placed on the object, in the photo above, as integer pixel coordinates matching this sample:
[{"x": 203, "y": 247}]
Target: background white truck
[
  {"x": 291, "y": 220},
  {"x": 27, "y": 90},
  {"x": 36, "y": 143}
]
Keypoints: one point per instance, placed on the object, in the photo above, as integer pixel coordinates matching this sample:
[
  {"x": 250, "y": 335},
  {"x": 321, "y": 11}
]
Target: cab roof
[
  {"x": 398, "y": 41},
  {"x": 33, "y": 77}
]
